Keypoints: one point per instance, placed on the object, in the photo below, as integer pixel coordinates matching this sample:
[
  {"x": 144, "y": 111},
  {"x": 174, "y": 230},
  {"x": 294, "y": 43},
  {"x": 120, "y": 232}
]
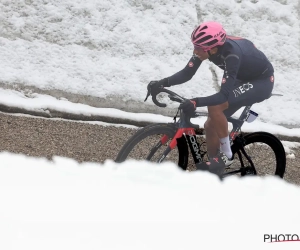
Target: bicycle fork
[{"x": 191, "y": 138}]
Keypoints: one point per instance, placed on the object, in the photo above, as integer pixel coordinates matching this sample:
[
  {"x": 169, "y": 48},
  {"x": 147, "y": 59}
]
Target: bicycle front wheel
[
  {"x": 258, "y": 153},
  {"x": 150, "y": 142}
]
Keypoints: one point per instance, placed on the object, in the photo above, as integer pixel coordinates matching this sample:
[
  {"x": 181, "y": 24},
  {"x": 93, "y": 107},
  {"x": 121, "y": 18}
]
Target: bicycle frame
[{"x": 182, "y": 134}]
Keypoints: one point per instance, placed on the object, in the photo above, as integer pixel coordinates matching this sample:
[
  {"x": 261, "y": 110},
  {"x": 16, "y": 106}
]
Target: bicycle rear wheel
[
  {"x": 150, "y": 142},
  {"x": 263, "y": 149}
]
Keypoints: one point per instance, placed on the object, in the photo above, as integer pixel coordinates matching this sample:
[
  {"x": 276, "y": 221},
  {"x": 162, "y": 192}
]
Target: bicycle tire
[
  {"x": 153, "y": 130},
  {"x": 256, "y": 145}
]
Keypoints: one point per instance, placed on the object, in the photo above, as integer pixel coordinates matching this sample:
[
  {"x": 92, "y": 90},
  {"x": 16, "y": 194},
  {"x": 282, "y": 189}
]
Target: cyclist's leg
[
  {"x": 212, "y": 138},
  {"x": 244, "y": 94},
  {"x": 216, "y": 131},
  {"x": 216, "y": 127}
]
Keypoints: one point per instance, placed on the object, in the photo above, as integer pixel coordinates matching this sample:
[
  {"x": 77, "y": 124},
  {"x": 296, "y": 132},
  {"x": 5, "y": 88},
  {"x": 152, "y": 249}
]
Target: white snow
[{"x": 113, "y": 48}]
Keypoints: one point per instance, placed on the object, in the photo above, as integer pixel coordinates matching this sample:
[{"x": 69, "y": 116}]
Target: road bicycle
[{"x": 182, "y": 142}]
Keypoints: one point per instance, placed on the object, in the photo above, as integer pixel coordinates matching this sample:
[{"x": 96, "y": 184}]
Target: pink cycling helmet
[{"x": 208, "y": 35}]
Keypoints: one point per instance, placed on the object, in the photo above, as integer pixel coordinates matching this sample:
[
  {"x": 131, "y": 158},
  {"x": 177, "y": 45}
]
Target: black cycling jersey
[{"x": 239, "y": 59}]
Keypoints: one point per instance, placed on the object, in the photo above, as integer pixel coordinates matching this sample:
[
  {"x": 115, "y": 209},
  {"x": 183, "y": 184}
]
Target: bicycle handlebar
[
  {"x": 172, "y": 95},
  {"x": 176, "y": 98}
]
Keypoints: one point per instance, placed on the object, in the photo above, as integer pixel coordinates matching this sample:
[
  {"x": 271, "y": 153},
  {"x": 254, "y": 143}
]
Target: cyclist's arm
[
  {"x": 186, "y": 73},
  {"x": 232, "y": 65}
]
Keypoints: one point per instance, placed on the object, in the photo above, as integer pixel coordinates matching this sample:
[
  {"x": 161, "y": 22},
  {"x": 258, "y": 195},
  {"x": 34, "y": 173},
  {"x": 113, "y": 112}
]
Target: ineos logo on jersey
[
  {"x": 191, "y": 64},
  {"x": 242, "y": 89}
]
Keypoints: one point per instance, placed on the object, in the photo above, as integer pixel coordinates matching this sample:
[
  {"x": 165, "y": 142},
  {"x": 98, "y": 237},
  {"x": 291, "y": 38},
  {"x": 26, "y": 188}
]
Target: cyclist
[{"x": 248, "y": 78}]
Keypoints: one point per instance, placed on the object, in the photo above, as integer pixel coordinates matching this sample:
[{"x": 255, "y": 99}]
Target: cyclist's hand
[
  {"x": 188, "y": 107},
  {"x": 154, "y": 87}
]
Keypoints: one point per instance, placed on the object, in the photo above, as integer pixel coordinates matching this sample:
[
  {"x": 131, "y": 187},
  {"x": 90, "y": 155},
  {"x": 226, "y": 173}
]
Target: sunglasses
[{"x": 200, "y": 49}]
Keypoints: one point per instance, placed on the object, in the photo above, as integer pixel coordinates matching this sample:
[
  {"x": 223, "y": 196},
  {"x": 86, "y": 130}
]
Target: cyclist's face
[{"x": 200, "y": 53}]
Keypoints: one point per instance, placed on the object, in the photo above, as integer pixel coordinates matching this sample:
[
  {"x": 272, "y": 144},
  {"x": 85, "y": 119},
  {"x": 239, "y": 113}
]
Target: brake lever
[{"x": 148, "y": 94}]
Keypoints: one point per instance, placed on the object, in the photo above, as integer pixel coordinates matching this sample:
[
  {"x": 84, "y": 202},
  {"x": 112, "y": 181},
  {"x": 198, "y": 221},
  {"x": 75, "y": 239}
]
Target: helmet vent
[
  {"x": 211, "y": 42},
  {"x": 204, "y": 27},
  {"x": 202, "y": 40},
  {"x": 199, "y": 35}
]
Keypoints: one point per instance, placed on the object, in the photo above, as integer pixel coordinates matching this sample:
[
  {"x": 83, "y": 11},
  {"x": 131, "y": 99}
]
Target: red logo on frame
[
  {"x": 272, "y": 78},
  {"x": 191, "y": 64}
]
